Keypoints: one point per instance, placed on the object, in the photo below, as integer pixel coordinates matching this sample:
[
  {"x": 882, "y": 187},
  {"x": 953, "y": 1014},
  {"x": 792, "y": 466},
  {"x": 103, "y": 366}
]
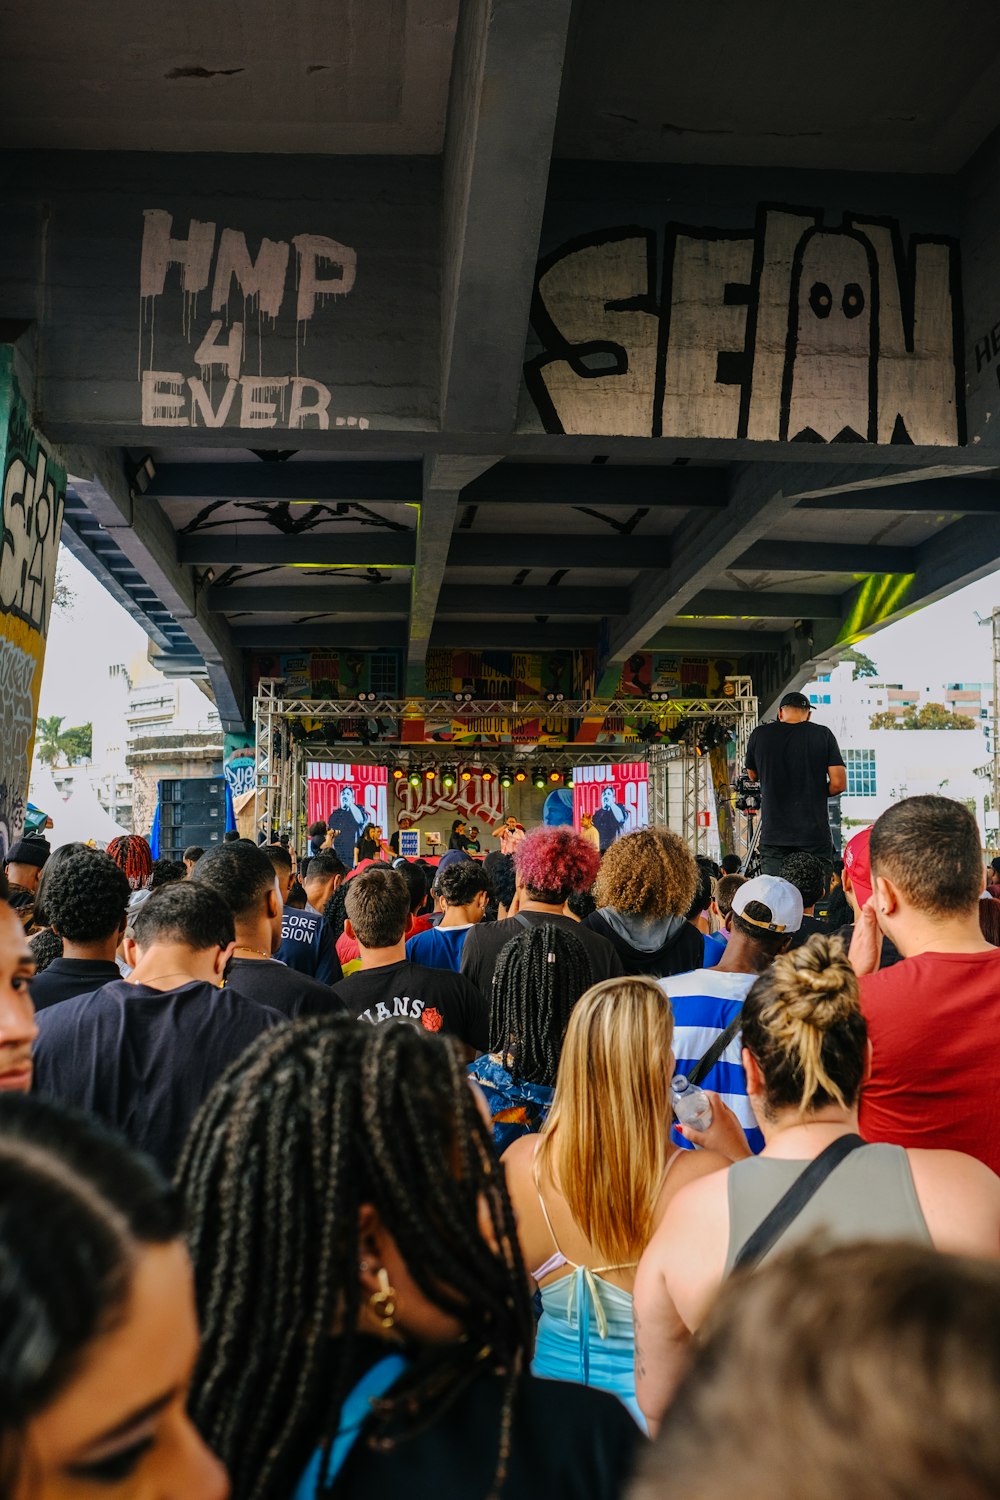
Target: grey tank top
[{"x": 869, "y": 1196}]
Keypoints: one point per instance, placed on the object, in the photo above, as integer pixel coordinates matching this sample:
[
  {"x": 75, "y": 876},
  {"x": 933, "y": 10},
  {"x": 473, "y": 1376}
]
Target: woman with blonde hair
[
  {"x": 644, "y": 888},
  {"x": 590, "y": 1190},
  {"x": 806, "y": 1057}
]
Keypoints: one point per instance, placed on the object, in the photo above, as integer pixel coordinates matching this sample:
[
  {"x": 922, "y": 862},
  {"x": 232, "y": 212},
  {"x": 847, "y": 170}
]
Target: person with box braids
[
  {"x": 365, "y": 1312},
  {"x": 539, "y": 978}
]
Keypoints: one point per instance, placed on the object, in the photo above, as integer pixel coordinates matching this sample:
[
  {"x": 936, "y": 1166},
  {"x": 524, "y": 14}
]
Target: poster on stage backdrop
[
  {"x": 616, "y": 797},
  {"x": 347, "y": 799}
]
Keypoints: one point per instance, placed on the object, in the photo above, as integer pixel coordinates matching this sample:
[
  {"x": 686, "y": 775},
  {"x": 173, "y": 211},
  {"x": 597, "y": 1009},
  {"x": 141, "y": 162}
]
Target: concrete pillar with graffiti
[{"x": 34, "y": 494}]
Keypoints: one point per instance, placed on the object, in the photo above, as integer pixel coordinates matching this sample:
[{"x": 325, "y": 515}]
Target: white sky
[{"x": 942, "y": 643}]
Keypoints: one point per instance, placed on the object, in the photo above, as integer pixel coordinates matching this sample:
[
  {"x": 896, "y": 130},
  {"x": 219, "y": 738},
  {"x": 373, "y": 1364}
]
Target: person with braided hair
[
  {"x": 539, "y": 978},
  {"x": 806, "y": 1057},
  {"x": 366, "y": 1320},
  {"x": 591, "y": 1189},
  {"x": 134, "y": 858}
]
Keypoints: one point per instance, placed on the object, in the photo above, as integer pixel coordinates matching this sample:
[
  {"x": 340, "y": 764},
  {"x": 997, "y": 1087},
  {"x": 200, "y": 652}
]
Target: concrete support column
[{"x": 33, "y": 497}]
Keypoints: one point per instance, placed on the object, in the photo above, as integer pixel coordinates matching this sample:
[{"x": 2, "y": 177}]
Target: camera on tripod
[{"x": 749, "y": 796}]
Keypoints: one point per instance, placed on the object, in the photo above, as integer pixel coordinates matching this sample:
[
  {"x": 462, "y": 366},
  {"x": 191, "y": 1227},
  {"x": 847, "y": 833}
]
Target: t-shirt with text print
[{"x": 435, "y": 999}]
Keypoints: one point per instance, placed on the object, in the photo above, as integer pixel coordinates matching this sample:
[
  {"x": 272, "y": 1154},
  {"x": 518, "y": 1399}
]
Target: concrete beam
[
  {"x": 715, "y": 642},
  {"x": 145, "y": 536},
  {"x": 601, "y": 485},
  {"x": 306, "y": 599},
  {"x": 506, "y": 73},
  {"x": 471, "y": 549},
  {"x": 953, "y": 496},
  {"x": 525, "y": 600},
  {"x": 739, "y": 604},
  {"x": 444, "y": 480},
  {"x": 706, "y": 544},
  {"x": 354, "y": 549},
  {"x": 344, "y": 480},
  {"x": 824, "y": 557}
]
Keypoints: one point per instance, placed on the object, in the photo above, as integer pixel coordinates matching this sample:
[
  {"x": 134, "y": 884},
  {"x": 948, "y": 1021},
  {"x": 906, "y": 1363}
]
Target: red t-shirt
[
  {"x": 934, "y": 1024},
  {"x": 348, "y": 950}
]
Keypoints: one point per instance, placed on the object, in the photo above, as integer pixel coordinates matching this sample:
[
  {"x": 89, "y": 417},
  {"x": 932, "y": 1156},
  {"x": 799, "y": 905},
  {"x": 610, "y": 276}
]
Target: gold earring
[{"x": 383, "y": 1302}]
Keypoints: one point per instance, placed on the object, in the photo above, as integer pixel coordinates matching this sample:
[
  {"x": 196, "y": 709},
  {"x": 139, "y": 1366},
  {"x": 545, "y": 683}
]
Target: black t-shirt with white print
[{"x": 432, "y": 998}]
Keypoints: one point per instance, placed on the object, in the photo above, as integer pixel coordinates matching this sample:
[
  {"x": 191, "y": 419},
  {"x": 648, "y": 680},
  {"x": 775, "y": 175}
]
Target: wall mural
[
  {"x": 34, "y": 494},
  {"x": 226, "y": 383},
  {"x": 793, "y": 331}
]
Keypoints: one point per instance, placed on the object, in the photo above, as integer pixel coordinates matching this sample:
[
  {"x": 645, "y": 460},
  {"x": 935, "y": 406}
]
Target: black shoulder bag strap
[
  {"x": 708, "y": 1060},
  {"x": 790, "y": 1205}
]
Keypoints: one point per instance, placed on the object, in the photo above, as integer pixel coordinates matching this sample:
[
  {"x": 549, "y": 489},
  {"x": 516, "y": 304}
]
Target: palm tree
[{"x": 51, "y": 740}]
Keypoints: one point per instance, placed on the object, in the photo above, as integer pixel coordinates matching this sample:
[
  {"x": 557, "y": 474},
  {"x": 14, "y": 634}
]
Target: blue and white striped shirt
[{"x": 704, "y": 1002}]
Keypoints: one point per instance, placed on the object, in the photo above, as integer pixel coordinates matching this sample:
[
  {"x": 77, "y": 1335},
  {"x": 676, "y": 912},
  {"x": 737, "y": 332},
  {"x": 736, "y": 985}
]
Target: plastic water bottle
[{"x": 691, "y": 1104}]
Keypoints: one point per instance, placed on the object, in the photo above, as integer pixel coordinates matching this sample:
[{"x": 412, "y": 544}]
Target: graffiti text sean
[
  {"x": 226, "y": 390},
  {"x": 794, "y": 331}
]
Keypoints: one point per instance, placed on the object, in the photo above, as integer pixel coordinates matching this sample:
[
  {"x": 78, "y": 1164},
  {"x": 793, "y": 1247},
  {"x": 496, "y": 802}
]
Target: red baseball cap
[{"x": 858, "y": 864}]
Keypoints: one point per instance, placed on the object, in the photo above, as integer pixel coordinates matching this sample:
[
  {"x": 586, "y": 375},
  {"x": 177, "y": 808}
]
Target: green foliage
[
  {"x": 928, "y": 716},
  {"x": 55, "y": 742},
  {"x": 863, "y": 665}
]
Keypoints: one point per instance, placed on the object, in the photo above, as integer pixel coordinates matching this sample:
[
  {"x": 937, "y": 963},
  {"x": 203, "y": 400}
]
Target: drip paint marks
[
  {"x": 227, "y": 302},
  {"x": 794, "y": 331},
  {"x": 33, "y": 497}
]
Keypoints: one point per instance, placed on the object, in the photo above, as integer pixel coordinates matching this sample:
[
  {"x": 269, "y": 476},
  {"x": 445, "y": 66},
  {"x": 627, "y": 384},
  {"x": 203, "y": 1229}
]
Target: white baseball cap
[{"x": 779, "y": 896}]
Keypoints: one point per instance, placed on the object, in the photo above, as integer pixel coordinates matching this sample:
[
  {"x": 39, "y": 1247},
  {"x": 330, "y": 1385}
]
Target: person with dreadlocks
[
  {"x": 366, "y": 1320},
  {"x": 539, "y": 978},
  {"x": 590, "y": 1190},
  {"x": 134, "y": 858}
]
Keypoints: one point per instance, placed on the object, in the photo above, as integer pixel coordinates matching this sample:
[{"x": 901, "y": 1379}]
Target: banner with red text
[
  {"x": 616, "y": 797},
  {"x": 347, "y": 799}
]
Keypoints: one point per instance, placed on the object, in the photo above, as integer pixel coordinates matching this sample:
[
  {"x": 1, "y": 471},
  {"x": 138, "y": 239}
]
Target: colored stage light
[
  {"x": 448, "y": 777},
  {"x": 539, "y": 779},
  {"x": 414, "y": 778},
  {"x": 505, "y": 778},
  {"x": 487, "y": 775},
  {"x": 520, "y": 775},
  {"x": 397, "y": 773},
  {"x": 466, "y": 774},
  {"x": 555, "y": 776},
  {"x": 430, "y": 773}
]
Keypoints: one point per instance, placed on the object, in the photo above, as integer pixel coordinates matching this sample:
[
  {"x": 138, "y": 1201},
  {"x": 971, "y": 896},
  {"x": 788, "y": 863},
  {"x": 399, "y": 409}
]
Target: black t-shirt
[
  {"x": 486, "y": 942},
  {"x": 566, "y": 1441},
  {"x": 685, "y": 950},
  {"x": 347, "y": 825},
  {"x": 66, "y": 977},
  {"x": 433, "y": 998},
  {"x": 791, "y": 762},
  {"x": 272, "y": 983},
  {"x": 143, "y": 1060},
  {"x": 810, "y": 926}
]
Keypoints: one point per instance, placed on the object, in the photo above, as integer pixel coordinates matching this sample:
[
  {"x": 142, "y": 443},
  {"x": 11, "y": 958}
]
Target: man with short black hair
[
  {"x": 388, "y": 986},
  {"x": 23, "y": 867},
  {"x": 799, "y": 767},
  {"x": 323, "y": 876},
  {"x": 765, "y": 915},
  {"x": 934, "y": 1018},
  {"x": 191, "y": 856},
  {"x": 245, "y": 878},
  {"x": 142, "y": 1053},
  {"x": 86, "y": 895},
  {"x": 463, "y": 892},
  {"x": 809, "y": 877},
  {"x": 306, "y": 943}
]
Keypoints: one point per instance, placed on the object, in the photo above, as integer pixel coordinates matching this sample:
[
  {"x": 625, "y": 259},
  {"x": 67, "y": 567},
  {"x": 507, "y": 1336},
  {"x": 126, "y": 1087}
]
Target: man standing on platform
[
  {"x": 510, "y": 833},
  {"x": 799, "y": 766}
]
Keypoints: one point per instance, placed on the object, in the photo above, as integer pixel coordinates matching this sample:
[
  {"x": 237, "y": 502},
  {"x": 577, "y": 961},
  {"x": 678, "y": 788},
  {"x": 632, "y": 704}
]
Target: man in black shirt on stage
[{"x": 799, "y": 766}]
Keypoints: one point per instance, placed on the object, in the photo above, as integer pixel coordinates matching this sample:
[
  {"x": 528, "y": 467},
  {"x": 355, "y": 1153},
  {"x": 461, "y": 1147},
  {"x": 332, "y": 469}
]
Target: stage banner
[
  {"x": 347, "y": 799},
  {"x": 478, "y": 801},
  {"x": 616, "y": 797}
]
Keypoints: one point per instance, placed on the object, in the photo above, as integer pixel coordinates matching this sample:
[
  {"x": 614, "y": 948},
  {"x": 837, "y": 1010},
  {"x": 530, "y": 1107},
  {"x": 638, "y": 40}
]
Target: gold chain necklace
[{"x": 247, "y": 949}]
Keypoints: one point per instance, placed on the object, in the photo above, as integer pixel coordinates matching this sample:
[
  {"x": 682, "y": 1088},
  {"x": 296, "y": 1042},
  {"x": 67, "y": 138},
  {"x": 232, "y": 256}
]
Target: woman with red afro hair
[{"x": 551, "y": 864}]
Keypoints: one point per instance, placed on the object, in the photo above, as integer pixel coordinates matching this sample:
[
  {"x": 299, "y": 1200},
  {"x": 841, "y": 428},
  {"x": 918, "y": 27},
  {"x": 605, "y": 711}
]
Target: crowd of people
[{"x": 360, "y": 1175}]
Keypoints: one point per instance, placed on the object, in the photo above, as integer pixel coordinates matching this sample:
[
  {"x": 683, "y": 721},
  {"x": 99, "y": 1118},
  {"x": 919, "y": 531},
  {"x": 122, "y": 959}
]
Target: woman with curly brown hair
[
  {"x": 645, "y": 886},
  {"x": 806, "y": 1057}
]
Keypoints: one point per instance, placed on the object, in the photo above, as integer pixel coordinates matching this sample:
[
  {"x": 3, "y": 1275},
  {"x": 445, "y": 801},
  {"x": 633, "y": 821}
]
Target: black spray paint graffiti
[
  {"x": 792, "y": 332},
  {"x": 323, "y": 268},
  {"x": 33, "y": 501}
]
